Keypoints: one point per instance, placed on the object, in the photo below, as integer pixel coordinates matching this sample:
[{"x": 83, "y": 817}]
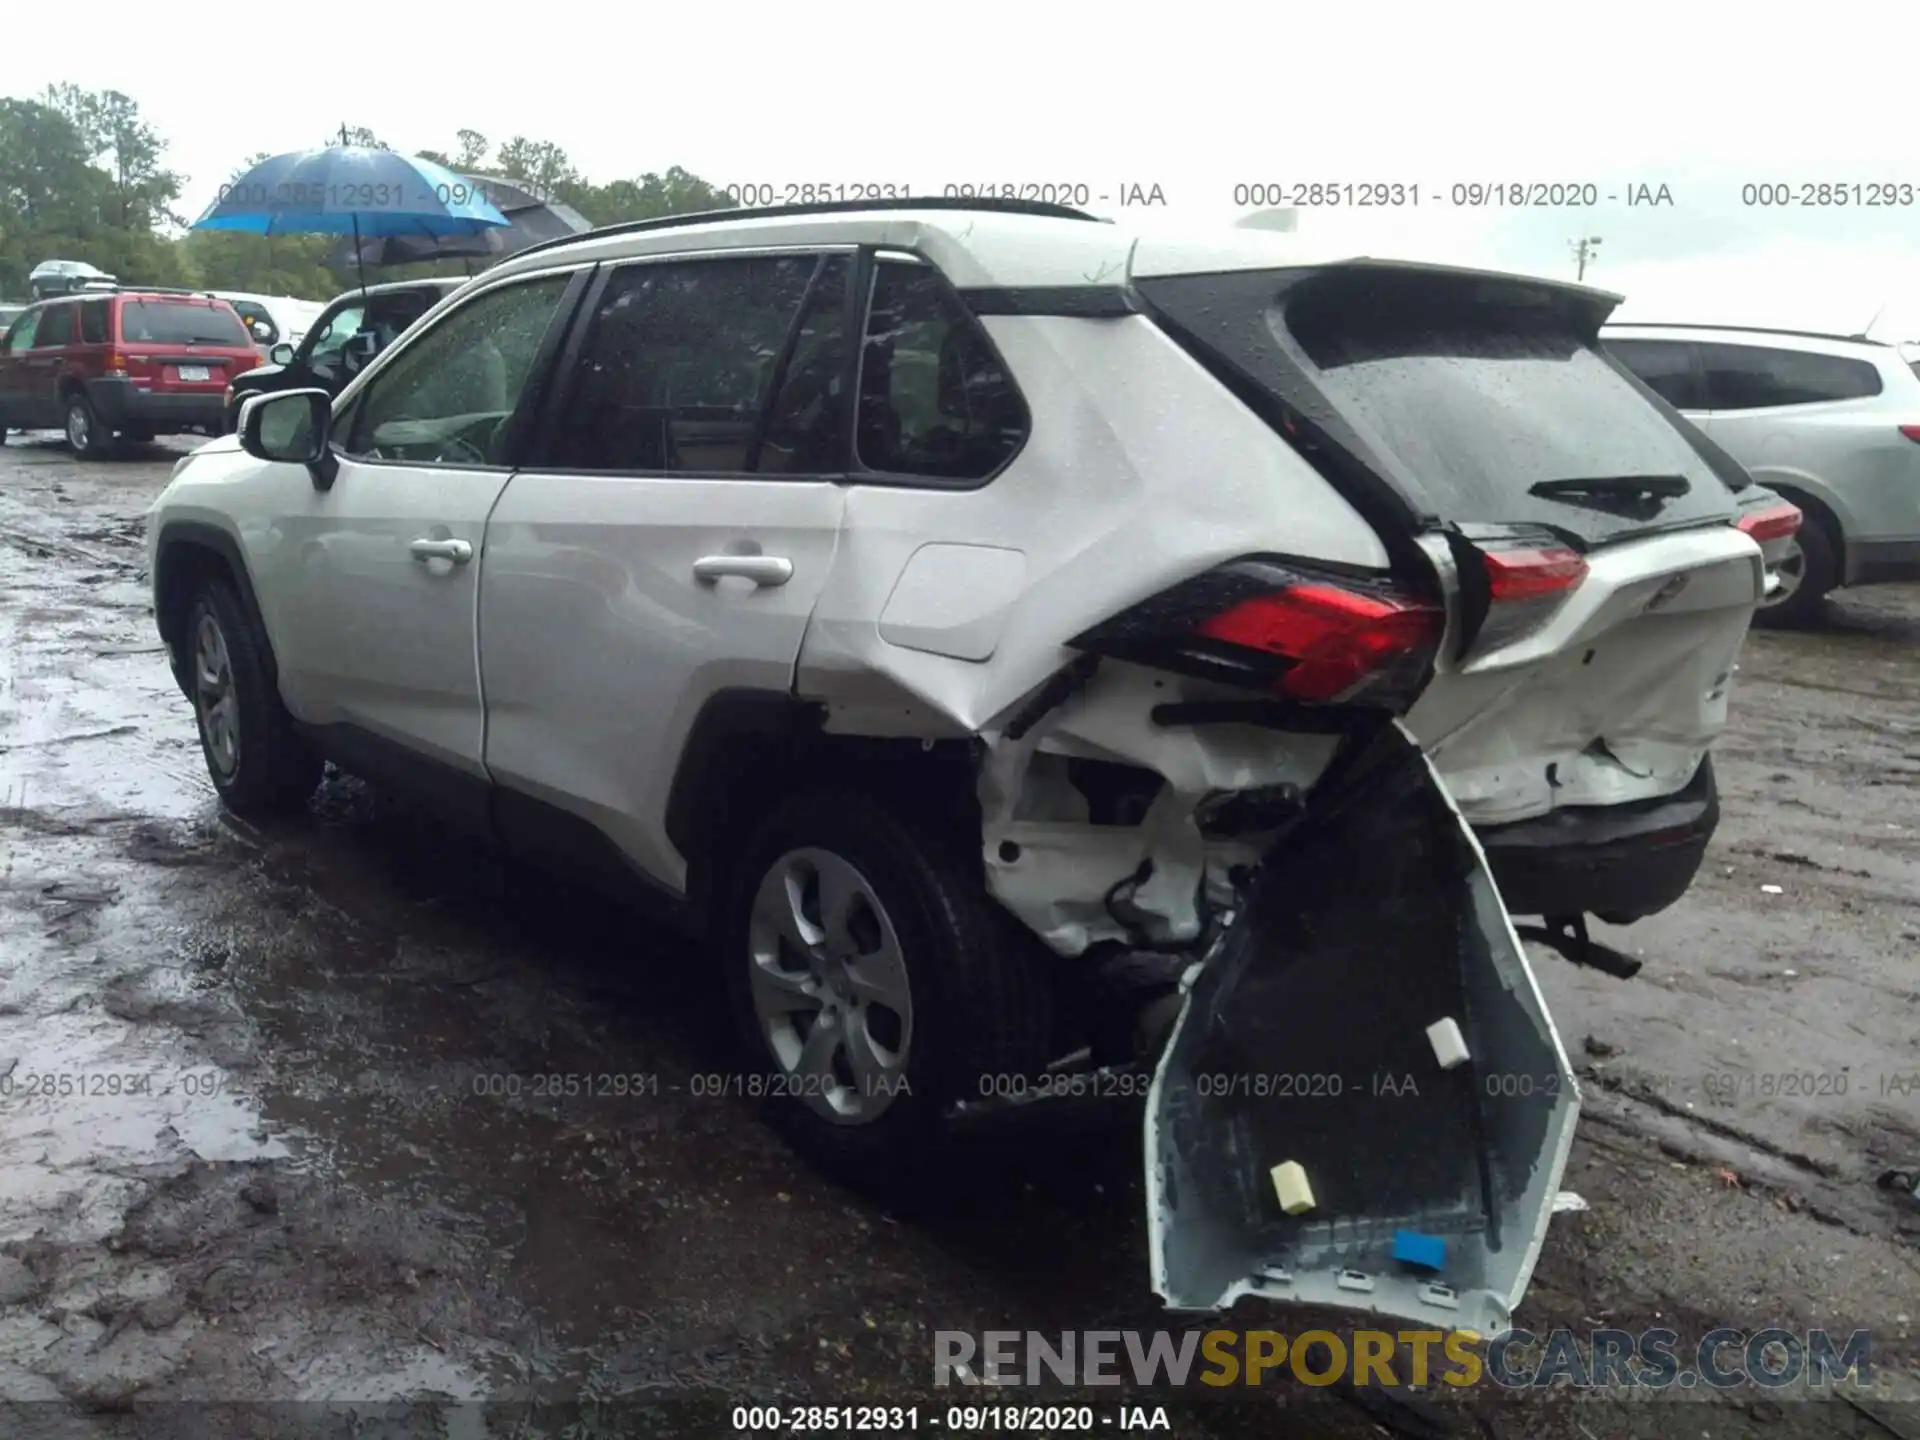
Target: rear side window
[
  {"x": 1483, "y": 390},
  {"x": 680, "y": 364},
  {"x": 1756, "y": 377},
  {"x": 93, "y": 322},
  {"x": 180, "y": 322},
  {"x": 935, "y": 401},
  {"x": 56, "y": 327},
  {"x": 1666, "y": 367}
]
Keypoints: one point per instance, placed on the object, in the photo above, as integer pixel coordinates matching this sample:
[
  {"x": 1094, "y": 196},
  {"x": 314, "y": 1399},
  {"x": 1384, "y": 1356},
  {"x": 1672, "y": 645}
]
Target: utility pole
[{"x": 1583, "y": 252}]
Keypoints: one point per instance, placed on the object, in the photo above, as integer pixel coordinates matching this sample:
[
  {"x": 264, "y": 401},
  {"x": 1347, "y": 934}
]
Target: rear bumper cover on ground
[
  {"x": 122, "y": 405},
  {"x": 1616, "y": 860},
  {"x": 1305, "y": 1038}
]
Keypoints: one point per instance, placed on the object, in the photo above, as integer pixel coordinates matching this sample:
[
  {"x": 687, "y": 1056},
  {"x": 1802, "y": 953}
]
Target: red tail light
[
  {"x": 1533, "y": 572},
  {"x": 1912, "y": 432},
  {"x": 1316, "y": 639},
  {"x": 1776, "y": 522}
]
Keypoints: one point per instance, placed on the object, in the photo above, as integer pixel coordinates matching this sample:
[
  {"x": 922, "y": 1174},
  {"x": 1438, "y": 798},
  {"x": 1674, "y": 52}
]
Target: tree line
[{"x": 83, "y": 176}]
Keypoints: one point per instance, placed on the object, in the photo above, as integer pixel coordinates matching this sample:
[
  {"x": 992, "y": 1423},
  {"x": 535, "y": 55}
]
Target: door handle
[
  {"x": 458, "y": 551},
  {"x": 762, "y": 570}
]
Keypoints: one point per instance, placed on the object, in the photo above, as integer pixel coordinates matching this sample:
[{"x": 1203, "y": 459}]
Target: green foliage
[{"x": 83, "y": 177}]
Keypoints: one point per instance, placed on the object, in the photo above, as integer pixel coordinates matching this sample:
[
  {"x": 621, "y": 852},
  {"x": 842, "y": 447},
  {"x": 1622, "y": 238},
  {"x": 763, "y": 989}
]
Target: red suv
[{"x": 129, "y": 365}]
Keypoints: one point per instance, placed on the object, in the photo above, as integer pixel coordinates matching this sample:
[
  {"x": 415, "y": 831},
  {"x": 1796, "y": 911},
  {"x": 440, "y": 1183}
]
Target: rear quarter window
[{"x": 1758, "y": 377}]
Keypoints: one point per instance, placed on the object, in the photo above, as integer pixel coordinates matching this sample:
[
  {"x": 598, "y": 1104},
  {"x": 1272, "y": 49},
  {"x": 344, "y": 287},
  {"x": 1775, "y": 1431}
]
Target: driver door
[{"x": 375, "y": 630}]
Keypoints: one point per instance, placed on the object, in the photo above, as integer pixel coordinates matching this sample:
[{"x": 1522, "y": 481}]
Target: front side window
[
  {"x": 1756, "y": 377},
  {"x": 935, "y": 400},
  {"x": 93, "y": 322},
  {"x": 24, "y": 330},
  {"x": 446, "y": 399},
  {"x": 680, "y": 364},
  {"x": 330, "y": 337},
  {"x": 1665, "y": 367},
  {"x": 56, "y": 327}
]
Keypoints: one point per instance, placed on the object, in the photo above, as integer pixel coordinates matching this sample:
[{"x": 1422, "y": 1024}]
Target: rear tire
[
  {"x": 1816, "y": 571},
  {"x": 85, "y": 438},
  {"x": 863, "y": 1021},
  {"x": 255, "y": 756}
]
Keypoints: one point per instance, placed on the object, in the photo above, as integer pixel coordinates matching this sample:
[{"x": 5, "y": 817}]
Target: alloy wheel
[
  {"x": 214, "y": 699},
  {"x": 79, "y": 429},
  {"x": 1792, "y": 571},
  {"x": 829, "y": 986}
]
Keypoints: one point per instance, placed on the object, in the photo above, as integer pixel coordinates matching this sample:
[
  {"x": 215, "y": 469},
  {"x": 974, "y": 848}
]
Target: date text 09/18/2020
[{"x": 953, "y": 1420}]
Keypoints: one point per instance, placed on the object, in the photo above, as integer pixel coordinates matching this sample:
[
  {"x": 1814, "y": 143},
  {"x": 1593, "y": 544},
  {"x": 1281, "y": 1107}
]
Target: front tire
[
  {"x": 255, "y": 757},
  {"x": 874, "y": 982},
  {"x": 1810, "y": 570}
]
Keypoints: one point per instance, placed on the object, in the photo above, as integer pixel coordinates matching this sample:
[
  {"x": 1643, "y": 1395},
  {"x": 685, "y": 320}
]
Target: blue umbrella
[{"x": 351, "y": 190}]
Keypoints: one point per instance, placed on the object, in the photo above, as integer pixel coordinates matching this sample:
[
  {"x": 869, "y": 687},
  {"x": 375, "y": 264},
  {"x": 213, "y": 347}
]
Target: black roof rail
[
  {"x": 1742, "y": 330},
  {"x": 982, "y": 203}
]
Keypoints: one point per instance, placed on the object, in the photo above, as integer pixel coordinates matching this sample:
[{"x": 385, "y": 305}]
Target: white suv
[{"x": 992, "y": 630}]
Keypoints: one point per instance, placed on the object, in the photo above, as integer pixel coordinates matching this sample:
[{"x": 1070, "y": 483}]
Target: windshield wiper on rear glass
[{"x": 1613, "y": 487}]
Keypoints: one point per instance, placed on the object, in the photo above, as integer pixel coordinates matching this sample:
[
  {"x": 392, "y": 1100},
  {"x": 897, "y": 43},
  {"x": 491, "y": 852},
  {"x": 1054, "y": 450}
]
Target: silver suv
[{"x": 1832, "y": 423}]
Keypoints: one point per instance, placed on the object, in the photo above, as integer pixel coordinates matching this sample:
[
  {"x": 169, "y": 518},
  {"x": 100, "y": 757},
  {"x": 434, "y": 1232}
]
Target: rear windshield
[
  {"x": 1481, "y": 397},
  {"x": 1464, "y": 391},
  {"x": 181, "y": 322}
]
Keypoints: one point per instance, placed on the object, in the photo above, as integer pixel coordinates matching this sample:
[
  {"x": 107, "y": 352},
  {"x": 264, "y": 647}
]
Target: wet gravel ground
[{"x": 277, "y": 1124}]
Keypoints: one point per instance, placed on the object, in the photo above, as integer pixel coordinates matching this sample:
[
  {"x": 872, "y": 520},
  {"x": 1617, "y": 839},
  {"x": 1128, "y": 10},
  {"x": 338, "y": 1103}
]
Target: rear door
[
  {"x": 671, "y": 534},
  {"x": 1603, "y": 591},
  {"x": 1821, "y": 425}
]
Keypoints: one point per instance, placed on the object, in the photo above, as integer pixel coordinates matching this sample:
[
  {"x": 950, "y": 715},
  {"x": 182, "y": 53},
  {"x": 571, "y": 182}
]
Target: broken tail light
[
  {"x": 1775, "y": 522},
  {"x": 1306, "y": 636},
  {"x": 1523, "y": 579}
]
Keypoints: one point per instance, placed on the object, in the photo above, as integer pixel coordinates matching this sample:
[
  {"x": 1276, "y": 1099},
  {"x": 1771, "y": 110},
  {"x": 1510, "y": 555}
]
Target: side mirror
[
  {"x": 281, "y": 354},
  {"x": 293, "y": 427}
]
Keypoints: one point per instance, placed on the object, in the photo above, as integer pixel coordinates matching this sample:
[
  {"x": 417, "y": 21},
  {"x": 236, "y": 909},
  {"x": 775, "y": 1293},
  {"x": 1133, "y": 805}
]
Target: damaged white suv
[{"x": 1008, "y": 638}]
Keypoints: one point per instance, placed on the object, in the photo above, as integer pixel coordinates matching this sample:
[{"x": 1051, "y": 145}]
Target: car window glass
[
  {"x": 330, "y": 337},
  {"x": 181, "y": 322},
  {"x": 253, "y": 314},
  {"x": 56, "y": 327},
  {"x": 1664, "y": 366},
  {"x": 446, "y": 398},
  {"x": 24, "y": 329},
  {"x": 678, "y": 364},
  {"x": 1753, "y": 377},
  {"x": 93, "y": 322},
  {"x": 934, "y": 398},
  {"x": 806, "y": 431}
]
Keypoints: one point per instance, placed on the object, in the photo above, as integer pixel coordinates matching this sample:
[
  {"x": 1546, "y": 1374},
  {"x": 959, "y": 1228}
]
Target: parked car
[
  {"x": 130, "y": 364},
  {"x": 972, "y": 652},
  {"x": 340, "y": 340},
  {"x": 272, "y": 319},
  {"x": 1831, "y": 423},
  {"x": 63, "y": 277}
]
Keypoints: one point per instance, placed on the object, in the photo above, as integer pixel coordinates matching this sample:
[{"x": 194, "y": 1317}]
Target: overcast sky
[{"x": 1195, "y": 98}]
